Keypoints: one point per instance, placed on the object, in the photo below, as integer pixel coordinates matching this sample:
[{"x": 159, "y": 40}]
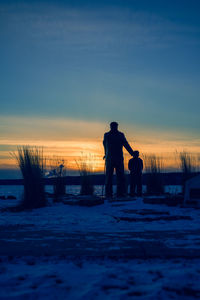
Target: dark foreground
[
  {"x": 117, "y": 250},
  {"x": 19, "y": 241}
]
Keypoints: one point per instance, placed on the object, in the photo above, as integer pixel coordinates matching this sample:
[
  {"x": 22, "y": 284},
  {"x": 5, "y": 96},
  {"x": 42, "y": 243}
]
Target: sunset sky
[{"x": 69, "y": 68}]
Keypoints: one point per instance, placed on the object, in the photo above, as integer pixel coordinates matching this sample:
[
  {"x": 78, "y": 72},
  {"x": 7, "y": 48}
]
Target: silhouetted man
[{"x": 113, "y": 142}]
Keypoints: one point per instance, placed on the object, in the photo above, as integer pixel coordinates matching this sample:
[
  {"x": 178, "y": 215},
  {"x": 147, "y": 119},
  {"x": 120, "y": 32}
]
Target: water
[{"x": 17, "y": 190}]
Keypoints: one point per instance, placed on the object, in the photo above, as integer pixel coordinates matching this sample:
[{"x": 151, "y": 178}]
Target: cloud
[
  {"x": 97, "y": 64},
  {"x": 39, "y": 128},
  {"x": 43, "y": 128},
  {"x": 101, "y": 30}
]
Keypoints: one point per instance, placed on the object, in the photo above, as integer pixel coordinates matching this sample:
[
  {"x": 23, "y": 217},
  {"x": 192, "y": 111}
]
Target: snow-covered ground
[
  {"x": 58, "y": 278},
  {"x": 101, "y": 218},
  {"x": 117, "y": 250}
]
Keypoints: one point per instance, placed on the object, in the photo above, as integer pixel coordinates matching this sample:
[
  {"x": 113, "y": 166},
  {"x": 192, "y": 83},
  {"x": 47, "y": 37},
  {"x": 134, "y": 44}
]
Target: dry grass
[
  {"x": 153, "y": 166},
  {"x": 85, "y": 166},
  {"x": 31, "y": 163},
  {"x": 187, "y": 162},
  {"x": 188, "y": 166}
]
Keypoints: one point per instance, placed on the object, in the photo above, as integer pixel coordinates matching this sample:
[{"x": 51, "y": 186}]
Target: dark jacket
[
  {"x": 135, "y": 165},
  {"x": 113, "y": 142}
]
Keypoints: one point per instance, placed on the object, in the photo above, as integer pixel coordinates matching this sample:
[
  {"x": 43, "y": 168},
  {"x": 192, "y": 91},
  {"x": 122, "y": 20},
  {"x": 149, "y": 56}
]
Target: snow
[
  {"x": 117, "y": 250},
  {"x": 99, "y": 218},
  {"x": 57, "y": 278}
]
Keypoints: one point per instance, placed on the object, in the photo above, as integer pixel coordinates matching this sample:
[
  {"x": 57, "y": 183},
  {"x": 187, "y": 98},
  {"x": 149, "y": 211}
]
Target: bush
[
  {"x": 31, "y": 164},
  {"x": 154, "y": 179}
]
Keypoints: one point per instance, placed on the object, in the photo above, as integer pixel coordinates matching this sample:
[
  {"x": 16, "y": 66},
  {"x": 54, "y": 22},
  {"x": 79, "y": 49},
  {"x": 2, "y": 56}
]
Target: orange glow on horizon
[
  {"x": 71, "y": 139},
  {"x": 73, "y": 151}
]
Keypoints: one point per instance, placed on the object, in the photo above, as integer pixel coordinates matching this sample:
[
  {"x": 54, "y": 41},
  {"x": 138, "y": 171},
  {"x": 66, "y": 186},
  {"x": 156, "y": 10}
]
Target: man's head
[
  {"x": 136, "y": 154},
  {"x": 113, "y": 126}
]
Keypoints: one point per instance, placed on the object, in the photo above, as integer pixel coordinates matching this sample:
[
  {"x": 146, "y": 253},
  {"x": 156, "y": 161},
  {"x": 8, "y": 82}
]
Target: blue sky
[{"x": 137, "y": 62}]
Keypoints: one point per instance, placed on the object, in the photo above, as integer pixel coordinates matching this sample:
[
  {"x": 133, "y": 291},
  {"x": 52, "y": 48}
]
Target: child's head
[{"x": 136, "y": 154}]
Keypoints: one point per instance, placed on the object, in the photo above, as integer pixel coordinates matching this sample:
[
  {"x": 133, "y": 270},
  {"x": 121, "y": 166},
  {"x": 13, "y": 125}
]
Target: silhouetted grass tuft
[
  {"x": 31, "y": 164},
  {"x": 85, "y": 166},
  {"x": 154, "y": 180},
  {"x": 188, "y": 166}
]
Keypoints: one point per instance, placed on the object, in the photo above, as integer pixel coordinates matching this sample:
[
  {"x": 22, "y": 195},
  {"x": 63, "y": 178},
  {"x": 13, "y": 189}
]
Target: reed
[
  {"x": 188, "y": 166},
  {"x": 31, "y": 163},
  {"x": 85, "y": 166},
  {"x": 153, "y": 166}
]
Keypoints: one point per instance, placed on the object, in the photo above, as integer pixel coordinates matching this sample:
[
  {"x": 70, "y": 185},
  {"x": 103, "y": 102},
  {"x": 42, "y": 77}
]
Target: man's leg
[
  {"x": 109, "y": 177},
  {"x": 120, "y": 178}
]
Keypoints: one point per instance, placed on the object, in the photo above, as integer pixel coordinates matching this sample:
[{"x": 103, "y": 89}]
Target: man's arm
[{"x": 127, "y": 146}]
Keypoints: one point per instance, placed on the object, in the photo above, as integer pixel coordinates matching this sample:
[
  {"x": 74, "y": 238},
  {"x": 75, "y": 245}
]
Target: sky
[{"x": 69, "y": 68}]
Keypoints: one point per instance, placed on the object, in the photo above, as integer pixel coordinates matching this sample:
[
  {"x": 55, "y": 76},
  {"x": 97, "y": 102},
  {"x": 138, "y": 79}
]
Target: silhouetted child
[{"x": 135, "y": 166}]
